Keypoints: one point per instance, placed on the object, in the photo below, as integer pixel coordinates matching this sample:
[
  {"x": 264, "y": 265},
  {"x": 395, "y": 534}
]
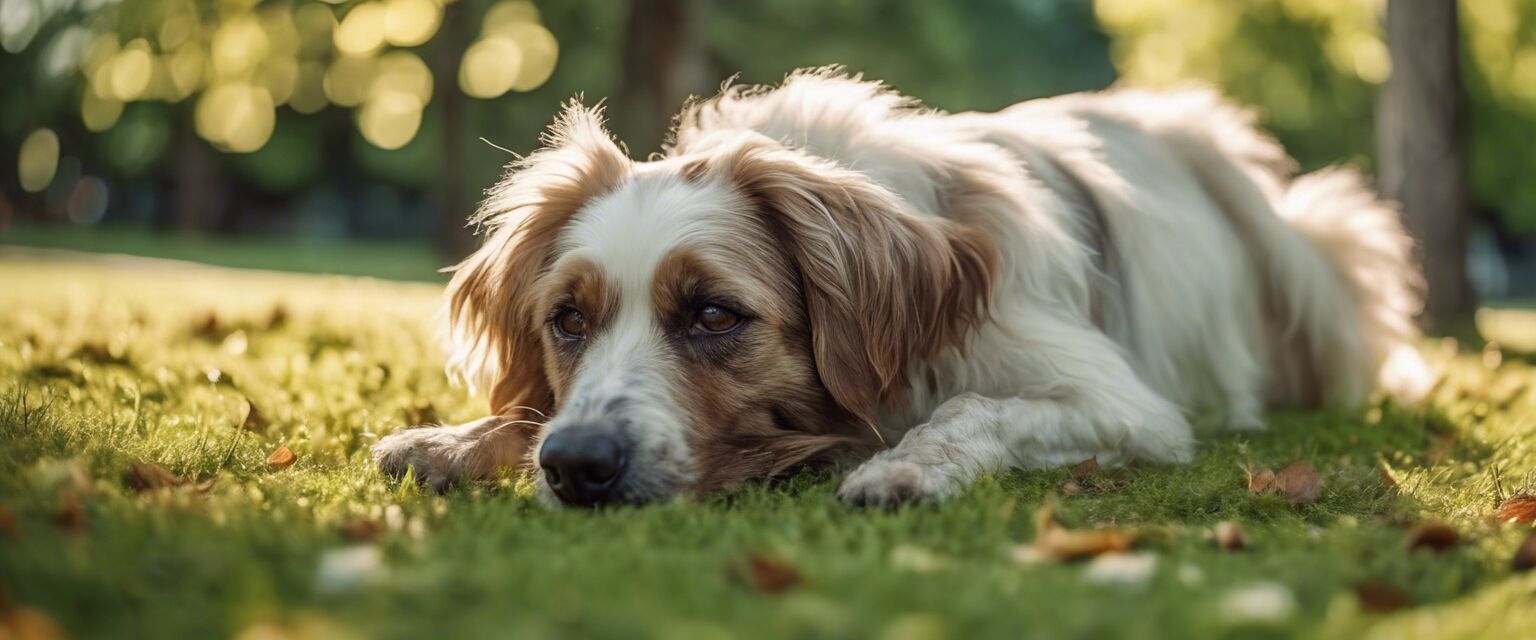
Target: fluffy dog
[{"x": 827, "y": 269}]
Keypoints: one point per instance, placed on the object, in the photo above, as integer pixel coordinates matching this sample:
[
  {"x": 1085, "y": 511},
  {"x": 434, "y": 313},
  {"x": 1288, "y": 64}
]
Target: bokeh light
[
  {"x": 514, "y": 52},
  {"x": 361, "y": 32},
  {"x": 408, "y": 23},
  {"x": 87, "y": 201},
  {"x": 390, "y": 120},
  {"x": 348, "y": 79},
  {"x": 235, "y": 116},
  {"x": 38, "y": 160},
  {"x": 129, "y": 72},
  {"x": 98, "y": 113}
]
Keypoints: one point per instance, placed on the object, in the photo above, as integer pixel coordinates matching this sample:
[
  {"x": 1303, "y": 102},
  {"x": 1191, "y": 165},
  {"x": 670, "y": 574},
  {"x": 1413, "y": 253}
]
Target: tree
[{"x": 1420, "y": 149}]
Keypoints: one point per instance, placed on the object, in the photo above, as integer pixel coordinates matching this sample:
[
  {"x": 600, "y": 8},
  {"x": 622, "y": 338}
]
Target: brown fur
[
  {"x": 884, "y": 289},
  {"x": 756, "y": 406},
  {"x": 490, "y": 298}
]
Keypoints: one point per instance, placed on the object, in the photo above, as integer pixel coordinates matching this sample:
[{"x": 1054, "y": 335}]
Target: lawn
[{"x": 105, "y": 365}]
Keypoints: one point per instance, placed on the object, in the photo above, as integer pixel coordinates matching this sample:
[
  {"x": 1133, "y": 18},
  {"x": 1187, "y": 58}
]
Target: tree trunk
[
  {"x": 663, "y": 62},
  {"x": 1419, "y": 138},
  {"x": 199, "y": 188},
  {"x": 454, "y": 239}
]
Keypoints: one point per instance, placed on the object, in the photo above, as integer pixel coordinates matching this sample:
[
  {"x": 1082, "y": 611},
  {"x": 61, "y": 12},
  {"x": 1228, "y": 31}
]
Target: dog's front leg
[
  {"x": 443, "y": 455},
  {"x": 1091, "y": 405}
]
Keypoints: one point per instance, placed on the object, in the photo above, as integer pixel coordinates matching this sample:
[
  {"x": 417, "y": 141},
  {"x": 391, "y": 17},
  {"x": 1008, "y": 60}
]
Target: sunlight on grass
[{"x": 105, "y": 365}]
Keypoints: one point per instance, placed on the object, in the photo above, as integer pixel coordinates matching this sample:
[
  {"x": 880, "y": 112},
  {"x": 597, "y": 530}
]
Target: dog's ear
[
  {"x": 884, "y": 287},
  {"x": 493, "y": 323}
]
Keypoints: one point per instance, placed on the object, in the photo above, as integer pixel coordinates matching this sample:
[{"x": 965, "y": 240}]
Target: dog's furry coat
[{"x": 1068, "y": 278}]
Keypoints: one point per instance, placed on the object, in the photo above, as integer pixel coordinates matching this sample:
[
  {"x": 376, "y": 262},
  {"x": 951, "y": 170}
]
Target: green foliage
[
  {"x": 1313, "y": 68},
  {"x": 106, "y": 365}
]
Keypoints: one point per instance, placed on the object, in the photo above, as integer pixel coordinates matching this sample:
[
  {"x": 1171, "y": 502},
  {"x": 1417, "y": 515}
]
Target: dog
[{"x": 827, "y": 270}]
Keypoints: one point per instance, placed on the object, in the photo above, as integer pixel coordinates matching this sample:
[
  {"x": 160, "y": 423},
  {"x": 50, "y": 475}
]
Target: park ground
[{"x": 139, "y": 497}]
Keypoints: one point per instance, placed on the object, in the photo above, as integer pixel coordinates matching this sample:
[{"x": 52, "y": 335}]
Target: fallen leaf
[
  {"x": 767, "y": 574},
  {"x": 282, "y": 458},
  {"x": 146, "y": 476},
  {"x": 70, "y": 514},
  {"x": 97, "y": 353},
  {"x": 277, "y": 318},
  {"x": 1058, "y": 543},
  {"x": 361, "y": 530},
  {"x": 1525, "y": 556},
  {"x": 1435, "y": 536},
  {"x": 1261, "y": 481},
  {"x": 1518, "y": 510},
  {"x": 1379, "y": 597},
  {"x": 1229, "y": 536},
  {"x": 1085, "y": 468},
  {"x": 254, "y": 421},
  {"x": 1386, "y": 475},
  {"x": 25, "y": 623},
  {"x": 1299, "y": 483},
  {"x": 206, "y": 485},
  {"x": 208, "y": 326}
]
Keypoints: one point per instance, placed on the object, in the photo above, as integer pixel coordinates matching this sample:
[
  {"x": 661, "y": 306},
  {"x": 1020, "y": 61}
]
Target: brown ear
[
  {"x": 885, "y": 288},
  {"x": 493, "y": 324}
]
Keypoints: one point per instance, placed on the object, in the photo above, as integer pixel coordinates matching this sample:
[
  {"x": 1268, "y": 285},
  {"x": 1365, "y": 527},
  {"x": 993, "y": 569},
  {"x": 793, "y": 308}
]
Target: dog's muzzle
[{"x": 584, "y": 465}]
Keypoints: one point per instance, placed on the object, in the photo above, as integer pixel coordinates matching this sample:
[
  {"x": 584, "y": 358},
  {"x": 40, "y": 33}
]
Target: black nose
[{"x": 583, "y": 465}]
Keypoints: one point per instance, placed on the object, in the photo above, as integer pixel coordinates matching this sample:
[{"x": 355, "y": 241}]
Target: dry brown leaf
[
  {"x": 1386, "y": 475},
  {"x": 1379, "y": 597},
  {"x": 1518, "y": 510},
  {"x": 208, "y": 326},
  {"x": 1067, "y": 544},
  {"x": 1525, "y": 556},
  {"x": 1229, "y": 536},
  {"x": 146, "y": 476},
  {"x": 1086, "y": 468},
  {"x": 361, "y": 530},
  {"x": 282, "y": 458},
  {"x": 1438, "y": 537},
  {"x": 70, "y": 514},
  {"x": 1299, "y": 483},
  {"x": 1261, "y": 481},
  {"x": 278, "y": 317},
  {"x": 254, "y": 421},
  {"x": 25, "y": 623},
  {"x": 768, "y": 574},
  {"x": 1058, "y": 543}
]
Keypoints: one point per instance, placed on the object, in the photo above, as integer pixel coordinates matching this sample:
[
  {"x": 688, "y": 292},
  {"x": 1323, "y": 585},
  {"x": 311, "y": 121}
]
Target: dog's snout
[{"x": 583, "y": 465}]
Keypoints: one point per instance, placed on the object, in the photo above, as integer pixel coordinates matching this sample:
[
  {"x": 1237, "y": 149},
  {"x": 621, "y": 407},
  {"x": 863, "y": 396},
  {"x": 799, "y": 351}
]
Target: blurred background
[{"x": 355, "y": 136}]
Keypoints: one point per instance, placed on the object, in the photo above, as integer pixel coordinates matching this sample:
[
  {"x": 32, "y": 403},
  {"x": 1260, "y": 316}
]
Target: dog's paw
[
  {"x": 437, "y": 456},
  {"x": 891, "y": 482}
]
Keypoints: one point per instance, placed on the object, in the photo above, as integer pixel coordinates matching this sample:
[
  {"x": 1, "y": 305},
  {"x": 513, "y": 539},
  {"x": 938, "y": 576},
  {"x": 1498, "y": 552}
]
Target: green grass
[
  {"x": 392, "y": 259},
  {"x": 104, "y": 366}
]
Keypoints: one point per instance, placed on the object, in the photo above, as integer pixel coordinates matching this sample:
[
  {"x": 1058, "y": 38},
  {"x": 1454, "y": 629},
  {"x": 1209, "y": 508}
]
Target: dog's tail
[{"x": 1374, "y": 280}]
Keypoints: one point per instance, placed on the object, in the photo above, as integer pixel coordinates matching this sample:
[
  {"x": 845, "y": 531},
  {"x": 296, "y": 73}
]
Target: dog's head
[{"x": 685, "y": 324}]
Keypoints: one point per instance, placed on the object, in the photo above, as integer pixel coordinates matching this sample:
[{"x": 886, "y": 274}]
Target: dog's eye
[
  {"x": 571, "y": 324},
  {"x": 716, "y": 319}
]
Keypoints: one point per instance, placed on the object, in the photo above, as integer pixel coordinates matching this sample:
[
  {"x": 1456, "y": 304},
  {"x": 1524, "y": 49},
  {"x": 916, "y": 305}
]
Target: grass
[
  {"x": 392, "y": 259},
  {"x": 106, "y": 365}
]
